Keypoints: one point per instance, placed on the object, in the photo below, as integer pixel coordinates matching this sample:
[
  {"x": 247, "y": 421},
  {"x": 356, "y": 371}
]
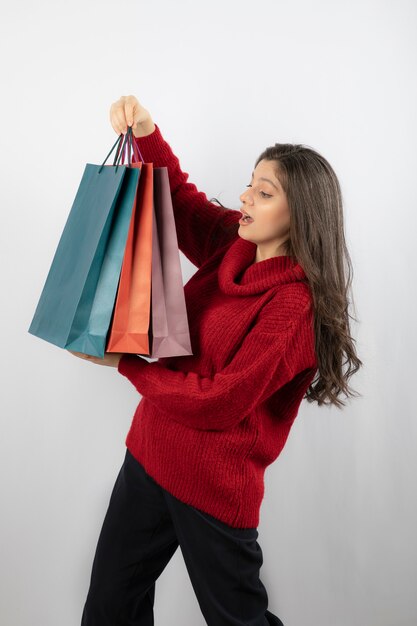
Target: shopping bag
[
  {"x": 150, "y": 316},
  {"x": 77, "y": 300},
  {"x": 130, "y": 329},
  {"x": 170, "y": 329}
]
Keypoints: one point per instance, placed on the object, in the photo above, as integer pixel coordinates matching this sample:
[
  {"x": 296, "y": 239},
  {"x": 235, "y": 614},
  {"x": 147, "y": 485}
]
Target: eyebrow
[{"x": 267, "y": 180}]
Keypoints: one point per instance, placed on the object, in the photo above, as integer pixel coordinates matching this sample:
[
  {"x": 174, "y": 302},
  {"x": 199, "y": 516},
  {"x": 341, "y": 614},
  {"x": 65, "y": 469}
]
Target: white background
[{"x": 223, "y": 80}]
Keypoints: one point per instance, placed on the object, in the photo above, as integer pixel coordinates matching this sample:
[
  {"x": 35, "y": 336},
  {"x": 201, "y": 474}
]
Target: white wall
[{"x": 223, "y": 80}]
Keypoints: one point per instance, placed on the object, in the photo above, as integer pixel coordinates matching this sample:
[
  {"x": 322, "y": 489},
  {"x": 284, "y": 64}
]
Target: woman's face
[{"x": 265, "y": 201}]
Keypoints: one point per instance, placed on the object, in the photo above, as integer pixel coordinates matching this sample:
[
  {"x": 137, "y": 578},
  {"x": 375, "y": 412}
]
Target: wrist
[{"x": 143, "y": 129}]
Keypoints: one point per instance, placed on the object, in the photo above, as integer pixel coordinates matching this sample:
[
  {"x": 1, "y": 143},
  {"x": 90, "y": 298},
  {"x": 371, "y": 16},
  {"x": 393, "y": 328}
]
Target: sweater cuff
[
  {"x": 152, "y": 143},
  {"x": 129, "y": 364},
  {"x": 156, "y": 150}
]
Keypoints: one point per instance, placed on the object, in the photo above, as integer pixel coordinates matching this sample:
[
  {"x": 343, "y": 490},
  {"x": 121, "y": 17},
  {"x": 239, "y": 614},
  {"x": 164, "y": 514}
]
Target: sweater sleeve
[
  {"x": 271, "y": 354},
  {"x": 202, "y": 226}
]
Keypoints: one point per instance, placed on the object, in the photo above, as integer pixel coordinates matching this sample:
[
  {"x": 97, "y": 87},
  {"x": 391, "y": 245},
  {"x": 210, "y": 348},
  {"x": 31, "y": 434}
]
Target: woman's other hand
[{"x": 110, "y": 359}]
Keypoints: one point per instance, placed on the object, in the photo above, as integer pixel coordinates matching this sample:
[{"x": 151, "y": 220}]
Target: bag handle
[
  {"x": 121, "y": 144},
  {"x": 118, "y": 154},
  {"x": 118, "y": 142},
  {"x": 135, "y": 148}
]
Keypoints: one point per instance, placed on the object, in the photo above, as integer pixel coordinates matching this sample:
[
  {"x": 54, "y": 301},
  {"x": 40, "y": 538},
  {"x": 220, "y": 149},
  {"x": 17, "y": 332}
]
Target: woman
[{"x": 269, "y": 325}]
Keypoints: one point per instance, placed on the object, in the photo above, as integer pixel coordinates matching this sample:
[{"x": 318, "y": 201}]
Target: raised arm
[{"x": 202, "y": 226}]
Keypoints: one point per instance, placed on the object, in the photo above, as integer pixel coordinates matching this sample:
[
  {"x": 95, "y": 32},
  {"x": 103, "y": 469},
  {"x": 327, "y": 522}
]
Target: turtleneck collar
[{"x": 239, "y": 275}]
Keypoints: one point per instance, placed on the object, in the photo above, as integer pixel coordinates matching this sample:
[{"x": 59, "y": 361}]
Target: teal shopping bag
[{"x": 76, "y": 304}]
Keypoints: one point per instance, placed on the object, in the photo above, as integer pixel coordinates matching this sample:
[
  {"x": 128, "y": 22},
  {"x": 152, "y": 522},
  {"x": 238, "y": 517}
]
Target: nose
[{"x": 246, "y": 196}]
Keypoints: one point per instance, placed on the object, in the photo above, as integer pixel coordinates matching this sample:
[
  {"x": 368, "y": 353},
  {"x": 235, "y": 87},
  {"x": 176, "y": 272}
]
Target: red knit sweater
[{"x": 209, "y": 424}]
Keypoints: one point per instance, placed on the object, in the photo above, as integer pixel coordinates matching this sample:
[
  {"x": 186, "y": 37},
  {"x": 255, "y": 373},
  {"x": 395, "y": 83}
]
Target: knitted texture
[{"x": 209, "y": 424}]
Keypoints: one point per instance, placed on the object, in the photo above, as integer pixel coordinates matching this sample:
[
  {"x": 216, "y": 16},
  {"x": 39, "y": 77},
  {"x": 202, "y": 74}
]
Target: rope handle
[
  {"x": 121, "y": 142},
  {"x": 136, "y": 153}
]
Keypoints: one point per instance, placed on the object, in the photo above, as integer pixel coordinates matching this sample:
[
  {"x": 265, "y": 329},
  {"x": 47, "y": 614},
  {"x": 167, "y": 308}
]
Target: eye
[{"x": 263, "y": 194}]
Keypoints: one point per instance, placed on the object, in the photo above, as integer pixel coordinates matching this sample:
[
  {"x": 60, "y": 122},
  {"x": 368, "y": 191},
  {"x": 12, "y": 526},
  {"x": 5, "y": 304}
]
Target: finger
[
  {"x": 119, "y": 121},
  {"x": 113, "y": 119},
  {"x": 129, "y": 113},
  {"x": 81, "y": 355},
  {"x": 114, "y": 123}
]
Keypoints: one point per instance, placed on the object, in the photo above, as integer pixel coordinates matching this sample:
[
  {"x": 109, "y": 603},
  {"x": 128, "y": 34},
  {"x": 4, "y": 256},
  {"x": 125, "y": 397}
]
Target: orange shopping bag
[
  {"x": 130, "y": 325},
  {"x": 150, "y": 314}
]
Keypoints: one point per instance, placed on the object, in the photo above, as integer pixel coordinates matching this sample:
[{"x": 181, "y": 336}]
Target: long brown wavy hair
[{"x": 317, "y": 241}]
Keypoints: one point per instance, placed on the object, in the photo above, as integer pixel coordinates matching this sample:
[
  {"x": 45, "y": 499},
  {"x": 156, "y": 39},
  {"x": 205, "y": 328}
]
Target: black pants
[{"x": 142, "y": 528}]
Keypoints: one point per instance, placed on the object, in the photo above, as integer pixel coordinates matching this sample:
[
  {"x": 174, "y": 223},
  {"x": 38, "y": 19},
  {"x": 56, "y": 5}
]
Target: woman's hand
[
  {"x": 110, "y": 358},
  {"x": 128, "y": 111}
]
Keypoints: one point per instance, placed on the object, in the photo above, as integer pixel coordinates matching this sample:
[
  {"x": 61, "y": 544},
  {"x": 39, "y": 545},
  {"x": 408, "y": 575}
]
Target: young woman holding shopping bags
[{"x": 269, "y": 326}]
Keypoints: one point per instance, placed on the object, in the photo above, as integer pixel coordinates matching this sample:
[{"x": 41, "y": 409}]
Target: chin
[{"x": 241, "y": 235}]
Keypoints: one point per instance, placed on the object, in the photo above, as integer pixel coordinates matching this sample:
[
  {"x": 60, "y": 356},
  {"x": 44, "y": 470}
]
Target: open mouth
[{"x": 246, "y": 217}]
